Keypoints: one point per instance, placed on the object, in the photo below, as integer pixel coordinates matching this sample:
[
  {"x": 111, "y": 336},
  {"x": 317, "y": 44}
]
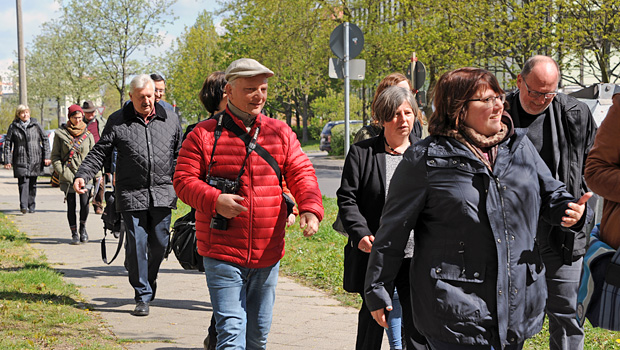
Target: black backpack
[{"x": 112, "y": 222}]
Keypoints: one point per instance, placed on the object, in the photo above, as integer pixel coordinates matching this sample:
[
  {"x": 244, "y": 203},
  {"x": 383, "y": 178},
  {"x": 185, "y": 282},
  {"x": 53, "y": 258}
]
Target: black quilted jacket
[
  {"x": 145, "y": 161},
  {"x": 26, "y": 149}
]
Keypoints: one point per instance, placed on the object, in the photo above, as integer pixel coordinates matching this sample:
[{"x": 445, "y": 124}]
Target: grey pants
[{"x": 562, "y": 288}]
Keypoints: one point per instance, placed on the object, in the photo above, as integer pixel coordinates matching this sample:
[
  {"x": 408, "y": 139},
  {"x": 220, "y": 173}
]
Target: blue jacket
[{"x": 476, "y": 276}]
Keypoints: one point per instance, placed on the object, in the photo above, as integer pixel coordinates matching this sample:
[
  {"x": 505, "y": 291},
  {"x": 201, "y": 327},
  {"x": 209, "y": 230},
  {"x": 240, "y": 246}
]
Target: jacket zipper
[
  {"x": 507, "y": 242},
  {"x": 250, "y": 211}
]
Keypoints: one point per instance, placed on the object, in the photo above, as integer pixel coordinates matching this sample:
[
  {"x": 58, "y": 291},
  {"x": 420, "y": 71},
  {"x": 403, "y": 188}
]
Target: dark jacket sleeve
[
  {"x": 354, "y": 222},
  {"x": 102, "y": 151},
  {"x": 405, "y": 202}
]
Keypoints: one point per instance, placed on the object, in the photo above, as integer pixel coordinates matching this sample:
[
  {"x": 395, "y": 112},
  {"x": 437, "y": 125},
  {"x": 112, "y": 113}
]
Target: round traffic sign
[{"x": 356, "y": 41}]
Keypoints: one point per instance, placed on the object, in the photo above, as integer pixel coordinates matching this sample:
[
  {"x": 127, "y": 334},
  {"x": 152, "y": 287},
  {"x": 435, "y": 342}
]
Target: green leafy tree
[
  {"x": 291, "y": 37},
  {"x": 589, "y": 32},
  {"x": 115, "y": 29},
  {"x": 74, "y": 74},
  {"x": 197, "y": 54}
]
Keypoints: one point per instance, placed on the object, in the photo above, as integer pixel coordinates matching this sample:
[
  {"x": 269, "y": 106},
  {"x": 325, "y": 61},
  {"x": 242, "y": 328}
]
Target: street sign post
[{"x": 346, "y": 42}]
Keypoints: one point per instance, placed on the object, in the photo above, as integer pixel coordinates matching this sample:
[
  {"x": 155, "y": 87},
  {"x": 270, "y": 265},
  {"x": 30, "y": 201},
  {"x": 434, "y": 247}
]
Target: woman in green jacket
[{"x": 72, "y": 143}]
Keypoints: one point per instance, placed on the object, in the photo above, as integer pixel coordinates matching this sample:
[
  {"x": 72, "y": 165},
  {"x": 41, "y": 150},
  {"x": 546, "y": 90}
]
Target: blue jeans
[
  {"x": 242, "y": 300},
  {"x": 394, "y": 331},
  {"x": 147, "y": 233}
]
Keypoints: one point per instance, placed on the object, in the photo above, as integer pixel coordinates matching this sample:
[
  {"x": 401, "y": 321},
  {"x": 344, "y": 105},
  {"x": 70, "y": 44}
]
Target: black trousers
[
  {"x": 27, "y": 192},
  {"x": 370, "y": 334},
  {"x": 71, "y": 204}
]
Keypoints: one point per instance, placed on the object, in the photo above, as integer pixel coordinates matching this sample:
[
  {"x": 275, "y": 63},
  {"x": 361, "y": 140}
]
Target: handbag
[
  {"x": 113, "y": 222},
  {"x": 55, "y": 180},
  {"x": 183, "y": 242},
  {"x": 599, "y": 290}
]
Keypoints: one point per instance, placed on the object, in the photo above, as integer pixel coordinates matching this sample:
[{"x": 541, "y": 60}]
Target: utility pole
[{"x": 21, "y": 58}]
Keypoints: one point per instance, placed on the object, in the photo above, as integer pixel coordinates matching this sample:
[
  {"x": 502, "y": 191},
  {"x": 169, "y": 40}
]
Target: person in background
[
  {"x": 602, "y": 173},
  {"x": 26, "y": 151},
  {"x": 366, "y": 176},
  {"x": 374, "y": 128},
  {"x": 562, "y": 130},
  {"x": 72, "y": 142},
  {"x": 472, "y": 192},
  {"x": 160, "y": 91},
  {"x": 95, "y": 124},
  {"x": 147, "y": 138},
  {"x": 240, "y": 211}
]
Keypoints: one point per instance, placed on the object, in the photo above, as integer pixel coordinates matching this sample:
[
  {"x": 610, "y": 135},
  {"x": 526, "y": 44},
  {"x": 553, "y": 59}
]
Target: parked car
[
  {"x": 48, "y": 170},
  {"x": 2, "y": 136},
  {"x": 326, "y": 133}
]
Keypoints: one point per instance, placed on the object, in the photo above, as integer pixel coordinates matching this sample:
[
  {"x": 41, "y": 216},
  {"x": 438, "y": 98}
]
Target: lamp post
[{"x": 21, "y": 58}]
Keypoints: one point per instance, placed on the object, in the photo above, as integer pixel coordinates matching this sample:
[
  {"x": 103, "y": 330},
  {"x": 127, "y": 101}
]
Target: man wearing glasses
[
  {"x": 160, "y": 91},
  {"x": 562, "y": 129}
]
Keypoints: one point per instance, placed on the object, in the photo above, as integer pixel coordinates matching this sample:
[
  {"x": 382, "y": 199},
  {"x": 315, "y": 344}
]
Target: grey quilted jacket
[{"x": 146, "y": 157}]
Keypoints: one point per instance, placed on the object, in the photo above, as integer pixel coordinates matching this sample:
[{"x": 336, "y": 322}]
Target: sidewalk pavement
[
  {"x": 320, "y": 160},
  {"x": 304, "y": 318}
]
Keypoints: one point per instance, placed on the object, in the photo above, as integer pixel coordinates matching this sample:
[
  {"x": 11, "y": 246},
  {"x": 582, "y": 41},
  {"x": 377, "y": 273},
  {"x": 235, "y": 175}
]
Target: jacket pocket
[
  {"x": 535, "y": 291},
  {"x": 460, "y": 291}
]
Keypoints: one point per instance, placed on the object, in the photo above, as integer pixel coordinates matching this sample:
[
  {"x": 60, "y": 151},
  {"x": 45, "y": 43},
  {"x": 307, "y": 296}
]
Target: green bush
[{"x": 337, "y": 142}]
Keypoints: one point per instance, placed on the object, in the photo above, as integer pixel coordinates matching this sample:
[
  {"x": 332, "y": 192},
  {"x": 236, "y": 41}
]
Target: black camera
[{"x": 219, "y": 222}]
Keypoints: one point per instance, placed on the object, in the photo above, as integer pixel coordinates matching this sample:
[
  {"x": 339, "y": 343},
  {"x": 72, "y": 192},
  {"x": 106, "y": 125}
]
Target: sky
[{"x": 37, "y": 12}]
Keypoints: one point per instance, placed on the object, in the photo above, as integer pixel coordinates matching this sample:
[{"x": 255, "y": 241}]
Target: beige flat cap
[{"x": 245, "y": 68}]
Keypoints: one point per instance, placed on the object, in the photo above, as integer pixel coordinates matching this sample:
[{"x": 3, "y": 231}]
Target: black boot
[
  {"x": 75, "y": 238},
  {"x": 83, "y": 234}
]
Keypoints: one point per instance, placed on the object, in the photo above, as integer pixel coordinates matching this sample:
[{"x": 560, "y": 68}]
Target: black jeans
[
  {"x": 71, "y": 202},
  {"x": 27, "y": 192}
]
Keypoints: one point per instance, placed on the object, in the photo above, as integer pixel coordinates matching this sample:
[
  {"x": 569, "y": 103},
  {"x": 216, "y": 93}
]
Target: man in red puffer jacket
[{"x": 241, "y": 214}]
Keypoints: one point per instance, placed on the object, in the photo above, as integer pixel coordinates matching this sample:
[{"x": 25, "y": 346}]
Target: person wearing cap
[
  {"x": 160, "y": 91},
  {"x": 72, "y": 142},
  {"x": 95, "y": 124},
  {"x": 147, "y": 138},
  {"x": 240, "y": 227}
]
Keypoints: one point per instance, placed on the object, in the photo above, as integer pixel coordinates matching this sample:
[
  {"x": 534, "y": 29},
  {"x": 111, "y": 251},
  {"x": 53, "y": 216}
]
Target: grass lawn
[{"x": 38, "y": 310}]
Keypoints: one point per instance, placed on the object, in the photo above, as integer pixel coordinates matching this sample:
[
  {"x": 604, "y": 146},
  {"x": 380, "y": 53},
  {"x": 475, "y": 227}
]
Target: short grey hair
[
  {"x": 390, "y": 99},
  {"x": 140, "y": 82}
]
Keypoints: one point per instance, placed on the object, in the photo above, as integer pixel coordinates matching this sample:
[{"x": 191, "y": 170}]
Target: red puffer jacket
[{"x": 254, "y": 238}]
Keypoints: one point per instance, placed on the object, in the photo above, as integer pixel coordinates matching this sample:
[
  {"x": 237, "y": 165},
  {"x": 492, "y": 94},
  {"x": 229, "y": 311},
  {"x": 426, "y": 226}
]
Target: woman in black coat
[
  {"x": 365, "y": 179},
  {"x": 26, "y": 151},
  {"x": 472, "y": 192}
]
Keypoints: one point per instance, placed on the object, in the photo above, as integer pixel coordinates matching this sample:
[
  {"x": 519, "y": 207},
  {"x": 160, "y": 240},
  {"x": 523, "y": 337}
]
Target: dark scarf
[
  {"x": 483, "y": 147},
  {"x": 75, "y": 130}
]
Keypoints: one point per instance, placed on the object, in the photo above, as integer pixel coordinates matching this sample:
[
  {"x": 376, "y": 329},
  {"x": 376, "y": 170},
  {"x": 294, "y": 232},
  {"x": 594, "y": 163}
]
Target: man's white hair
[{"x": 140, "y": 82}]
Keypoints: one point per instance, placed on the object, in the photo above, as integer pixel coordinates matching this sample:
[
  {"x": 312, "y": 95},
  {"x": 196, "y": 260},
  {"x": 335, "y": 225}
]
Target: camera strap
[{"x": 251, "y": 142}]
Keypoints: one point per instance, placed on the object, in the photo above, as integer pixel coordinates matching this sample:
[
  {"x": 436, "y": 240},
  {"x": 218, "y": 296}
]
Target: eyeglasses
[
  {"x": 537, "y": 95},
  {"x": 490, "y": 101}
]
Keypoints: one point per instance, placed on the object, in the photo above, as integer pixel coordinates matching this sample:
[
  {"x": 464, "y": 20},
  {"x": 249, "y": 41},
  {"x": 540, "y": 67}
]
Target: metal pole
[
  {"x": 346, "y": 88},
  {"x": 21, "y": 59}
]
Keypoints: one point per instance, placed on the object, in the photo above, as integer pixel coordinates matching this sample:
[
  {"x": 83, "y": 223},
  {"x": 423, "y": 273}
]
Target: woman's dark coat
[
  {"x": 360, "y": 201},
  {"x": 476, "y": 276},
  {"x": 26, "y": 148}
]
